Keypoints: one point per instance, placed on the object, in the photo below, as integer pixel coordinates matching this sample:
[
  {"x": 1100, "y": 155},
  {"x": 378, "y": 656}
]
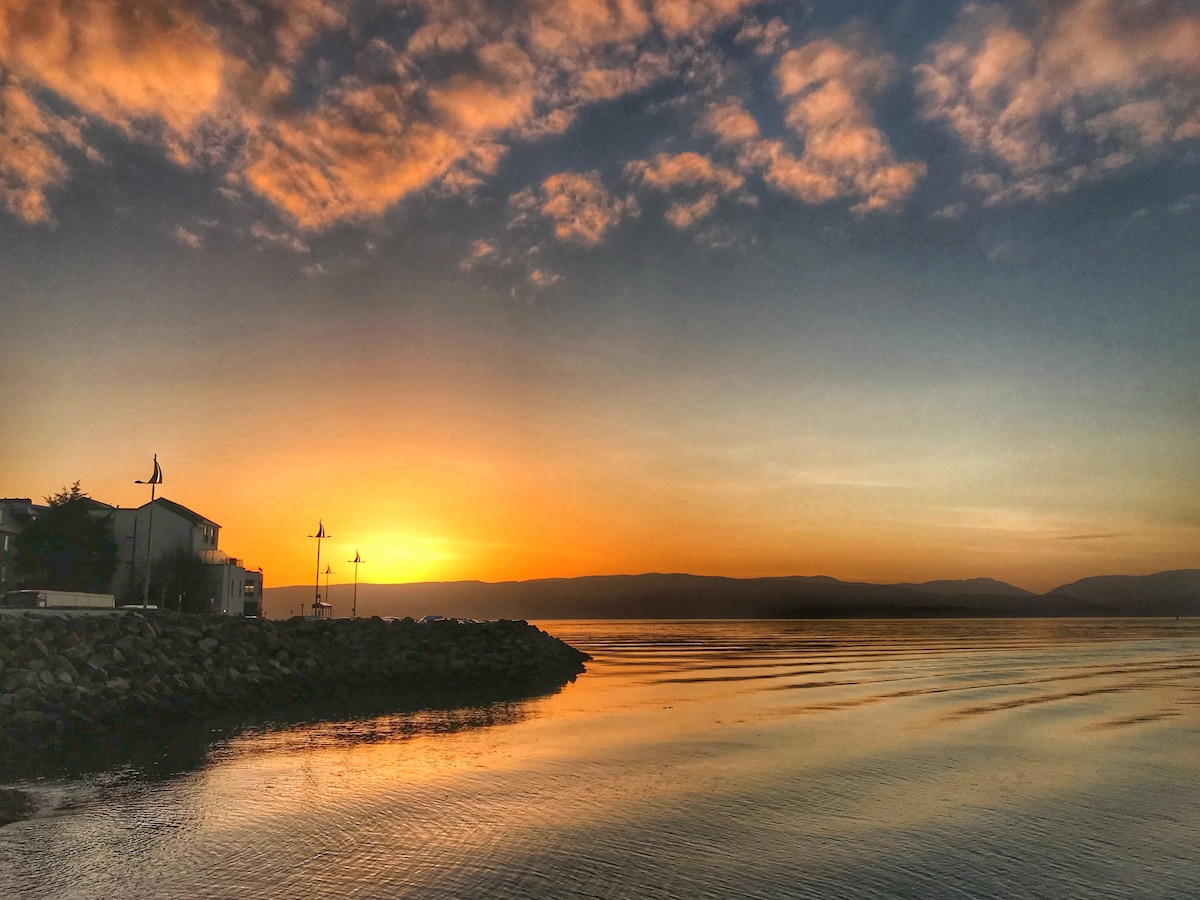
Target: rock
[
  {"x": 14, "y": 806},
  {"x": 63, "y": 676},
  {"x": 23, "y": 697},
  {"x": 35, "y": 720}
]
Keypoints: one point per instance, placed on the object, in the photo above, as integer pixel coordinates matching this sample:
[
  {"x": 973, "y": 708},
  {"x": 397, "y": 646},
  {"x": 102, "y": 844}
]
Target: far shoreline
[{"x": 682, "y": 596}]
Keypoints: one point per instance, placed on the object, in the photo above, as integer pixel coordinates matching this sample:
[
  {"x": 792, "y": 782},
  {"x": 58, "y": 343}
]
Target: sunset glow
[{"x": 537, "y": 289}]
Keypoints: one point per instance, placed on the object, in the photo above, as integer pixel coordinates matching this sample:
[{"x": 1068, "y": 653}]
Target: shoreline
[{"x": 67, "y": 679}]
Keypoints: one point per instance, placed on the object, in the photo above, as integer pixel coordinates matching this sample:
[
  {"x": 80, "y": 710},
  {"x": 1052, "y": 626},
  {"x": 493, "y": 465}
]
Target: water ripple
[{"x": 720, "y": 759}]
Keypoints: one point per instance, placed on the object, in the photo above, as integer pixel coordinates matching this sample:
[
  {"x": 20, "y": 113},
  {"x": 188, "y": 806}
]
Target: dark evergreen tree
[
  {"x": 179, "y": 580},
  {"x": 69, "y": 547}
]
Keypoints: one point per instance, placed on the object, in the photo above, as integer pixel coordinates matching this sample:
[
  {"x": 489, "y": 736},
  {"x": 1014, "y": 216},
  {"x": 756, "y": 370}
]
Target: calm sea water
[{"x": 694, "y": 759}]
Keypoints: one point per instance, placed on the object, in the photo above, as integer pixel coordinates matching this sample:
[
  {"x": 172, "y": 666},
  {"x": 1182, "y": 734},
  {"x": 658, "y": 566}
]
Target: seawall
[{"x": 64, "y": 676}]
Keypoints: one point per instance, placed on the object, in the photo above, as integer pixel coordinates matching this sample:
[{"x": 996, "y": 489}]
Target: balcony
[{"x": 218, "y": 558}]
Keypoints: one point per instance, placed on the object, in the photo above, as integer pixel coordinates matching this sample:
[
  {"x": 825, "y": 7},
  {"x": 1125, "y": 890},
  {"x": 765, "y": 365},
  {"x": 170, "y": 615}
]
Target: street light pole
[
  {"x": 320, "y": 536},
  {"x": 154, "y": 481},
  {"x": 357, "y": 560},
  {"x": 328, "y": 572}
]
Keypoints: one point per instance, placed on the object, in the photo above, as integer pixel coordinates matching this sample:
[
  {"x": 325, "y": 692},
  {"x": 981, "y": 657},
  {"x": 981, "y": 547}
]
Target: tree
[
  {"x": 180, "y": 580},
  {"x": 67, "y": 548}
]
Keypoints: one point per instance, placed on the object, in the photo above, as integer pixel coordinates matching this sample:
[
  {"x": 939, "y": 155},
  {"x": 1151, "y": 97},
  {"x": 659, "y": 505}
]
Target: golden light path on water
[{"x": 693, "y": 759}]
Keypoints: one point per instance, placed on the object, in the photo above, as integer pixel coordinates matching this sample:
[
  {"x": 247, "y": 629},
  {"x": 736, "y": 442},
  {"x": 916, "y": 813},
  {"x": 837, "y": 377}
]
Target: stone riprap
[
  {"x": 14, "y": 805},
  {"x": 65, "y": 675}
]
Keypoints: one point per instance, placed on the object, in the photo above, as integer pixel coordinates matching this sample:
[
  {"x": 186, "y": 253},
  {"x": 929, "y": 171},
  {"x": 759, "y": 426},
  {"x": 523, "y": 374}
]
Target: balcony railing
[{"x": 218, "y": 558}]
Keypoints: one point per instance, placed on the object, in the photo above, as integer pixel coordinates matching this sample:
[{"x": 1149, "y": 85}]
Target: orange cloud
[
  {"x": 665, "y": 172},
  {"x": 161, "y": 63},
  {"x": 696, "y": 18},
  {"x": 765, "y": 36},
  {"x": 583, "y": 210},
  {"x": 584, "y": 51},
  {"x": 826, "y": 85},
  {"x": 361, "y": 149},
  {"x": 544, "y": 277},
  {"x": 187, "y": 238},
  {"x": 351, "y": 158},
  {"x": 158, "y": 70},
  {"x": 731, "y": 124},
  {"x": 500, "y": 96},
  {"x": 480, "y": 250},
  {"x": 685, "y": 214},
  {"x": 155, "y": 71},
  {"x": 295, "y": 24},
  {"x": 704, "y": 179},
  {"x": 575, "y": 207},
  {"x": 214, "y": 85},
  {"x": 264, "y": 233},
  {"x": 560, "y": 27},
  {"x": 790, "y": 174},
  {"x": 1119, "y": 79},
  {"x": 30, "y": 162},
  {"x": 364, "y": 147}
]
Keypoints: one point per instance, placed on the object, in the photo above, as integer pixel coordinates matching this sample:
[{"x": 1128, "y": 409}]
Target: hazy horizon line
[{"x": 362, "y": 584}]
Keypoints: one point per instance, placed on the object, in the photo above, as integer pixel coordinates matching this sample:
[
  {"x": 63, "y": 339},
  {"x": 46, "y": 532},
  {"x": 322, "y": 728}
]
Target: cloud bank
[
  {"x": 835, "y": 149},
  {"x": 327, "y": 121},
  {"x": 1065, "y": 94}
]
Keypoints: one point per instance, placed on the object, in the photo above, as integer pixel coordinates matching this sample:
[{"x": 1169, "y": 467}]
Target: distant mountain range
[{"x": 657, "y": 596}]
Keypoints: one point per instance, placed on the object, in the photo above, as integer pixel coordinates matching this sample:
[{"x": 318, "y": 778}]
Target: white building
[{"x": 236, "y": 590}]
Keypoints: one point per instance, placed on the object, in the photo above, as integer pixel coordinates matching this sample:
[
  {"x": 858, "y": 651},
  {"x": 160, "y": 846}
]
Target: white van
[{"x": 57, "y": 600}]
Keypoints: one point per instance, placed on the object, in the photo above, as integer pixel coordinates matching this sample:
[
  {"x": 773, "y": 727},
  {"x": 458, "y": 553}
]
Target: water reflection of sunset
[
  {"x": 737, "y": 758},
  {"x": 807, "y": 697}
]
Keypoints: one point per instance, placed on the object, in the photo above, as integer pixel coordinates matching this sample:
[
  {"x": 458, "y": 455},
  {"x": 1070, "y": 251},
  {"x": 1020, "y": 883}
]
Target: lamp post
[
  {"x": 132, "y": 538},
  {"x": 328, "y": 572},
  {"x": 320, "y": 536},
  {"x": 154, "y": 481},
  {"x": 357, "y": 561}
]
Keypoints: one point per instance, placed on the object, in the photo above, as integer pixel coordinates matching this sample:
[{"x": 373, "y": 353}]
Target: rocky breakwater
[{"x": 63, "y": 676}]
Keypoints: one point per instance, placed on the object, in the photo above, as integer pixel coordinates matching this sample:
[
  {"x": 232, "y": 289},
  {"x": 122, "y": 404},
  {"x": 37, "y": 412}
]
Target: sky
[{"x": 887, "y": 291}]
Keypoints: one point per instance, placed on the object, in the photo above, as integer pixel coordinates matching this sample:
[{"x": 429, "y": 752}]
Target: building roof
[
  {"x": 183, "y": 512},
  {"x": 17, "y": 512}
]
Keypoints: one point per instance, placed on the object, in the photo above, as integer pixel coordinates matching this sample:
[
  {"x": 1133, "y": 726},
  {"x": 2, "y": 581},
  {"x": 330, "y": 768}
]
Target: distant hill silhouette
[
  {"x": 657, "y": 596},
  {"x": 969, "y": 587},
  {"x": 1165, "y": 594}
]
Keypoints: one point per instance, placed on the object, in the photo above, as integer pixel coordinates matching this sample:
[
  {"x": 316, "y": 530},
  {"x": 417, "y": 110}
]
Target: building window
[{"x": 6, "y": 543}]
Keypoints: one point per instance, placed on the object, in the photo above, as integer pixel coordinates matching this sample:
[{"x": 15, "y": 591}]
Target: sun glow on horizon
[{"x": 553, "y": 308}]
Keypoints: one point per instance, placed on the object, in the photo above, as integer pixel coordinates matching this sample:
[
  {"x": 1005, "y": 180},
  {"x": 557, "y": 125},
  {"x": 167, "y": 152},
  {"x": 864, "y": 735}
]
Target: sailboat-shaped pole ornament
[
  {"x": 320, "y": 536},
  {"x": 358, "y": 560},
  {"x": 154, "y": 481}
]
